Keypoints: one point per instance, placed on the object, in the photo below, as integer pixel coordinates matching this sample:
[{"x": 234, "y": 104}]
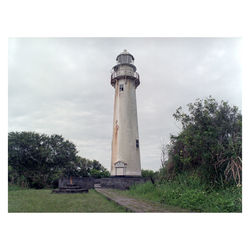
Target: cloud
[{"x": 62, "y": 86}]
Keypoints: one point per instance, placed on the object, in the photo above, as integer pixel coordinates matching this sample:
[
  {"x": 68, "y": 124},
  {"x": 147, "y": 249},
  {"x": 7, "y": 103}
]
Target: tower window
[
  {"x": 137, "y": 143},
  {"x": 121, "y": 87}
]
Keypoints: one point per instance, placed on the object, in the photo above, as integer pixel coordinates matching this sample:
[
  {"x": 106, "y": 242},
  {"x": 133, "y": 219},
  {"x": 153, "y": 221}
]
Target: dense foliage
[
  {"x": 201, "y": 168},
  {"x": 210, "y": 143},
  {"x": 147, "y": 173},
  {"x": 189, "y": 192},
  {"x": 93, "y": 168},
  {"x": 38, "y": 160}
]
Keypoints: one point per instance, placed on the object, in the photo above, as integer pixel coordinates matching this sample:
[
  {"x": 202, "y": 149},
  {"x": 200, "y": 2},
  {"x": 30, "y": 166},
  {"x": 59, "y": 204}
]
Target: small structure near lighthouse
[{"x": 125, "y": 160}]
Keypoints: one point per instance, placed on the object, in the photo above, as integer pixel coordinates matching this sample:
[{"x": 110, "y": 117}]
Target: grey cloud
[{"x": 62, "y": 85}]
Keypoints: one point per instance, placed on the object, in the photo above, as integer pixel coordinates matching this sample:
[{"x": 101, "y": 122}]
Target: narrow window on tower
[
  {"x": 137, "y": 143},
  {"x": 121, "y": 87}
]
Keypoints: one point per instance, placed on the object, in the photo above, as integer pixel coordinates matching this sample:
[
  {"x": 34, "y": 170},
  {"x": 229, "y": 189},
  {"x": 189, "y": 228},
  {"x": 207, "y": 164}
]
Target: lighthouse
[{"x": 125, "y": 159}]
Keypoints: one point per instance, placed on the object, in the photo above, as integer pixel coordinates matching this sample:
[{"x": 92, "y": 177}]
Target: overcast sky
[{"x": 62, "y": 86}]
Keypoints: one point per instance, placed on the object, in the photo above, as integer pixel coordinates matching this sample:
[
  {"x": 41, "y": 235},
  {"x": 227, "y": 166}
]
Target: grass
[
  {"x": 139, "y": 197},
  {"x": 190, "y": 193},
  {"x": 32, "y": 200},
  {"x": 184, "y": 192}
]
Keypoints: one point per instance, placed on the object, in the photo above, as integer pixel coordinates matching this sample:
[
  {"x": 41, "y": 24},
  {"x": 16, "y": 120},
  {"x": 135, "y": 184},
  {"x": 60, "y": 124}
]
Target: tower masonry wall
[{"x": 125, "y": 131}]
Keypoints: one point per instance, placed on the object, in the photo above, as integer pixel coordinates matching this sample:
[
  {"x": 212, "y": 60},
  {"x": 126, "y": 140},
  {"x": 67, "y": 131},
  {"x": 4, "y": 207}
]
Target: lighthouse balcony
[{"x": 127, "y": 74}]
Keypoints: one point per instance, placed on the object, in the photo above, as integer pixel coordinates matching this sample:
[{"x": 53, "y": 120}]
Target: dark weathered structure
[
  {"x": 83, "y": 184},
  {"x": 74, "y": 184},
  {"x": 120, "y": 182}
]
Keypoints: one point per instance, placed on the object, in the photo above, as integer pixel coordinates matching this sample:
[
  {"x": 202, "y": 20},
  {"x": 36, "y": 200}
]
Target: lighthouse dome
[{"x": 125, "y": 57}]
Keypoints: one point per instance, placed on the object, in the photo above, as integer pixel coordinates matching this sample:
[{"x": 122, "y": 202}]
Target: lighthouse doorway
[{"x": 120, "y": 168}]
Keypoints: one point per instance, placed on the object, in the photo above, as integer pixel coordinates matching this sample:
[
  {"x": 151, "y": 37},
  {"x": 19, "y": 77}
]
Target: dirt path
[{"x": 135, "y": 205}]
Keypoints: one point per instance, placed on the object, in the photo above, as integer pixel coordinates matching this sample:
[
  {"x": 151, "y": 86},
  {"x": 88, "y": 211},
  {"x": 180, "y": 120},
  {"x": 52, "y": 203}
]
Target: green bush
[
  {"x": 14, "y": 187},
  {"x": 147, "y": 173},
  {"x": 190, "y": 193},
  {"x": 35, "y": 158},
  {"x": 38, "y": 160},
  {"x": 209, "y": 144}
]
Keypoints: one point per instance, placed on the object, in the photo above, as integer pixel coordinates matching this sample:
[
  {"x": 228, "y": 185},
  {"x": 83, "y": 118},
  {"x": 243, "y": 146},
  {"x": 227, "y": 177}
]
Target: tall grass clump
[{"x": 190, "y": 193}]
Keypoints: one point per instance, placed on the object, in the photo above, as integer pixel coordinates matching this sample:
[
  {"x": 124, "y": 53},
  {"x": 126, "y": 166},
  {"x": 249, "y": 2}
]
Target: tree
[
  {"x": 84, "y": 167},
  {"x": 38, "y": 160},
  {"x": 210, "y": 142},
  {"x": 96, "y": 170},
  {"x": 39, "y": 157},
  {"x": 147, "y": 173}
]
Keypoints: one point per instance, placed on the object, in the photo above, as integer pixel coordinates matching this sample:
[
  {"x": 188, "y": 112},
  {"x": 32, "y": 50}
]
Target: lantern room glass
[{"x": 125, "y": 59}]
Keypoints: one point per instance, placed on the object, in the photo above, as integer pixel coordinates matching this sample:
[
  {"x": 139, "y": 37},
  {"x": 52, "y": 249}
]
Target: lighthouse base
[
  {"x": 120, "y": 182},
  {"x": 117, "y": 182}
]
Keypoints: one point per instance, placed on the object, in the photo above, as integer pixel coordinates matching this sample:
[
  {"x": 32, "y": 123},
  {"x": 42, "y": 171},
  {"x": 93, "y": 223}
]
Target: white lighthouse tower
[{"x": 125, "y": 160}]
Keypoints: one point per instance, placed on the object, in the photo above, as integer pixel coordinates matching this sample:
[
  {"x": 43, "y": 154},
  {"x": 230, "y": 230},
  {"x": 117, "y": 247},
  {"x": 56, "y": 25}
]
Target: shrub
[
  {"x": 209, "y": 144},
  {"x": 38, "y": 160},
  {"x": 189, "y": 192}
]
